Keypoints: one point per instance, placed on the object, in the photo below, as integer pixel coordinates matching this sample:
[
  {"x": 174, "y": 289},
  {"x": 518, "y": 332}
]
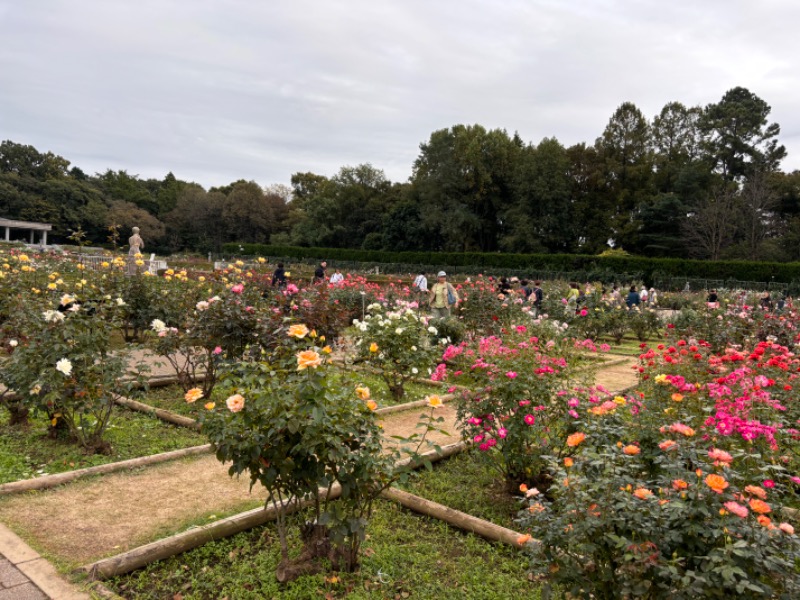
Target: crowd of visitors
[{"x": 442, "y": 297}]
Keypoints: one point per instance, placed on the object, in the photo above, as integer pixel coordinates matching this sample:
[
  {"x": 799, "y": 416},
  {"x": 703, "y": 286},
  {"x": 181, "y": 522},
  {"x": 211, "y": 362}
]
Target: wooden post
[
  {"x": 161, "y": 413},
  {"x": 490, "y": 531}
]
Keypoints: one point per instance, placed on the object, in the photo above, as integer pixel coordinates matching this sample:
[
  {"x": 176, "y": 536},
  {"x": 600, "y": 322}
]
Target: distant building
[{"x": 9, "y": 224}]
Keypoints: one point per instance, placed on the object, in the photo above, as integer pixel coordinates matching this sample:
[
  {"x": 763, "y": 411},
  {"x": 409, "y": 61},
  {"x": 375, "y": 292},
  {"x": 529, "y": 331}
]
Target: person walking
[{"x": 443, "y": 297}]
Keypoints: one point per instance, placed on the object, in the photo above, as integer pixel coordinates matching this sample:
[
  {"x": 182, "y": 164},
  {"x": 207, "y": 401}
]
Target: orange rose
[
  {"x": 756, "y": 491},
  {"x": 642, "y": 493},
  {"x": 372, "y": 405},
  {"x": 193, "y": 395},
  {"x": 762, "y": 520},
  {"x": 308, "y": 358},
  {"x": 679, "y": 484},
  {"x": 568, "y": 462},
  {"x": 716, "y": 483},
  {"x": 210, "y": 405},
  {"x": 575, "y": 439},
  {"x": 631, "y": 450},
  {"x": 524, "y": 539},
  {"x": 759, "y": 506},
  {"x": 362, "y": 392}
]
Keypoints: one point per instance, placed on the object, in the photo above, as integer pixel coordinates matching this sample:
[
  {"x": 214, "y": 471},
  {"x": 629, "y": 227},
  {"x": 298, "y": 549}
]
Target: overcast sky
[{"x": 216, "y": 91}]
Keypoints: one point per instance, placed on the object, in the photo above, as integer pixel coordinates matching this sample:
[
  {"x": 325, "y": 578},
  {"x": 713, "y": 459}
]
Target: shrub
[
  {"x": 628, "y": 519},
  {"x": 514, "y": 412},
  {"x": 66, "y": 370},
  {"x": 396, "y": 342},
  {"x": 298, "y": 434}
]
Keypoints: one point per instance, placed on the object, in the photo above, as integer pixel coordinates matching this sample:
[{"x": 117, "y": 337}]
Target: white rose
[
  {"x": 432, "y": 330},
  {"x": 64, "y": 366},
  {"x": 158, "y": 325},
  {"x": 415, "y": 370},
  {"x": 53, "y": 316},
  {"x": 13, "y": 343},
  {"x": 120, "y": 302},
  {"x": 399, "y": 331}
]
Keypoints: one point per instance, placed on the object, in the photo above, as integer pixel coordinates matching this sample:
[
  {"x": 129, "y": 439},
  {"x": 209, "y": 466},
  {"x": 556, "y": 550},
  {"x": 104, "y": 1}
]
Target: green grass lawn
[
  {"x": 467, "y": 484},
  {"x": 28, "y": 452}
]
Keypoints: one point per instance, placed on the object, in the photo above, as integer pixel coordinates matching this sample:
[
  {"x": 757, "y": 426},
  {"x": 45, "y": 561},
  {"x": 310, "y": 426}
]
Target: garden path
[{"x": 94, "y": 518}]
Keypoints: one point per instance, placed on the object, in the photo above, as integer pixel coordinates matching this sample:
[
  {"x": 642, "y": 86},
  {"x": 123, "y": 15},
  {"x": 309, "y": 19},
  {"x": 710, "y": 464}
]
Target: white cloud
[{"x": 220, "y": 91}]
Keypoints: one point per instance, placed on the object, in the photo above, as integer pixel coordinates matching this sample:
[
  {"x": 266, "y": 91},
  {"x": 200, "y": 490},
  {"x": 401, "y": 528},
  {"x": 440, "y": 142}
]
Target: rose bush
[{"x": 298, "y": 434}]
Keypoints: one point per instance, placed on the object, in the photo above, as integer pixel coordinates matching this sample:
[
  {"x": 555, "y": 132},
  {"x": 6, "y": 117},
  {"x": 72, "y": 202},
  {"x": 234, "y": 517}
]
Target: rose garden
[{"x": 201, "y": 434}]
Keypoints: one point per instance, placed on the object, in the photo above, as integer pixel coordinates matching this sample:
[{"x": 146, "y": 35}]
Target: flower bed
[
  {"x": 29, "y": 452},
  {"x": 404, "y": 556}
]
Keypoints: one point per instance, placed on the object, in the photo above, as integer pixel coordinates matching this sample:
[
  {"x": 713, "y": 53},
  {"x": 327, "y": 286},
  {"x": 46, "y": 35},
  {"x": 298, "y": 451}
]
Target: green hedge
[{"x": 649, "y": 268}]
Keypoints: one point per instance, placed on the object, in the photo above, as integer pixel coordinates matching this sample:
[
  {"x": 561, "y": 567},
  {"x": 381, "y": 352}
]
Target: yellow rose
[
  {"x": 362, "y": 392},
  {"x": 298, "y": 331},
  {"x": 373, "y": 347},
  {"x": 434, "y": 401},
  {"x": 372, "y": 405}
]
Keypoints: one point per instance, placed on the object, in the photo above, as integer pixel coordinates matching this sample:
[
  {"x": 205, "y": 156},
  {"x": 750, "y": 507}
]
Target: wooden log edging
[
  {"x": 188, "y": 540},
  {"x": 161, "y": 413},
  {"x": 50, "y": 481},
  {"x": 454, "y": 517}
]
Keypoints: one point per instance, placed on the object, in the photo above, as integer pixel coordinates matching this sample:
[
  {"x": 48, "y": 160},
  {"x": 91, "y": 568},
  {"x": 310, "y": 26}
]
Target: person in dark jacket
[
  {"x": 319, "y": 273},
  {"x": 279, "y": 277},
  {"x": 633, "y": 298},
  {"x": 538, "y": 296}
]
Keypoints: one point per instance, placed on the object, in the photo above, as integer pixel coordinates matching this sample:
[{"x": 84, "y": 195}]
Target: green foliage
[
  {"x": 647, "y": 268},
  {"x": 67, "y": 371}
]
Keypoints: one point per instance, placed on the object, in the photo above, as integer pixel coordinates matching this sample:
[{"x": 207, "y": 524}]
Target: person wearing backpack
[{"x": 443, "y": 297}]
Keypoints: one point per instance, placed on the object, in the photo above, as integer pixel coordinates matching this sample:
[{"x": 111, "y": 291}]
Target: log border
[{"x": 51, "y": 481}]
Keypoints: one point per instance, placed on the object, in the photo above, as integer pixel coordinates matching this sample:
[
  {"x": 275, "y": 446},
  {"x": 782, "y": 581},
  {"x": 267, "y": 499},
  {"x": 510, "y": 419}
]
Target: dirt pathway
[{"x": 88, "y": 520}]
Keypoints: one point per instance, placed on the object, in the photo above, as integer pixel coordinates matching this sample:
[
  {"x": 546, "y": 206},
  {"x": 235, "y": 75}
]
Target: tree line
[{"x": 694, "y": 181}]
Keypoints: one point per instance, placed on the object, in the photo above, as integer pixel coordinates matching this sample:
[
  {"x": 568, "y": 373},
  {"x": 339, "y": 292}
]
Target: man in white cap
[{"x": 443, "y": 297}]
